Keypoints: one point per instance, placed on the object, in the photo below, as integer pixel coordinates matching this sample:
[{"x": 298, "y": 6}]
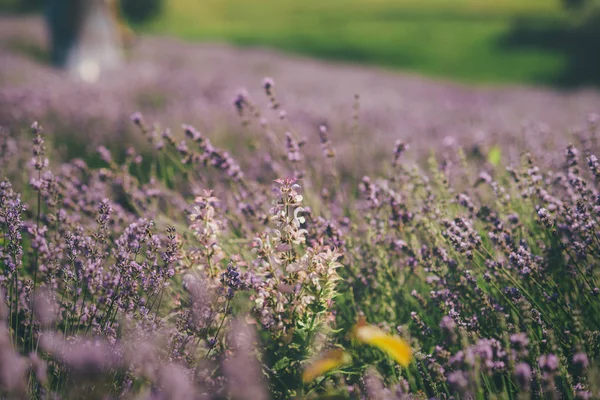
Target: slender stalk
[
  {"x": 85, "y": 293},
  {"x": 36, "y": 259},
  {"x": 112, "y": 303},
  {"x": 10, "y": 312},
  {"x": 219, "y": 328},
  {"x": 162, "y": 290},
  {"x": 16, "y": 293}
]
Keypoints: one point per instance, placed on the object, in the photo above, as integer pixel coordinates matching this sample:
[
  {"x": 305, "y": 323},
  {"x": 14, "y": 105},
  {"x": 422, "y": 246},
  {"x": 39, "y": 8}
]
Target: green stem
[
  {"x": 10, "y": 313},
  {"x": 112, "y": 303},
  {"x": 15, "y": 283},
  {"x": 219, "y": 328},
  {"x": 35, "y": 264}
]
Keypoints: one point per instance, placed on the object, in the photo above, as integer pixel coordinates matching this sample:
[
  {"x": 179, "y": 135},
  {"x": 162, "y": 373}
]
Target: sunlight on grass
[{"x": 454, "y": 39}]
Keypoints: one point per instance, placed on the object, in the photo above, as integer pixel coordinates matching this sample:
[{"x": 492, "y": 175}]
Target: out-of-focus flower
[
  {"x": 242, "y": 368},
  {"x": 268, "y": 84},
  {"x": 394, "y": 346},
  {"x": 548, "y": 362},
  {"x": 329, "y": 361},
  {"x": 523, "y": 375}
]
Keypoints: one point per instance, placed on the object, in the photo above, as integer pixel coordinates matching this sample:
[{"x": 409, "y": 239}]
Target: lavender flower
[
  {"x": 523, "y": 376},
  {"x": 478, "y": 267},
  {"x": 548, "y": 362}
]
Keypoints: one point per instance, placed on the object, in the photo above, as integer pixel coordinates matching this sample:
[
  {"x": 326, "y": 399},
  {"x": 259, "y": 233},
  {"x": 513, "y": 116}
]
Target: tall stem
[
  {"x": 219, "y": 328},
  {"x": 35, "y": 263},
  {"x": 16, "y": 292}
]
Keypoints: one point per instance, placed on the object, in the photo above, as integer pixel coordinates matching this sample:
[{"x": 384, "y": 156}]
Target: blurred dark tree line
[
  {"x": 576, "y": 37},
  {"x": 133, "y": 10},
  {"x": 21, "y": 6},
  {"x": 574, "y": 4},
  {"x": 141, "y": 10}
]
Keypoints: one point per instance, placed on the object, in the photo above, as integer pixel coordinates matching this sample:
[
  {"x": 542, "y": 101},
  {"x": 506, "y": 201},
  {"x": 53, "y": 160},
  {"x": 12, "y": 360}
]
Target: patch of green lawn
[{"x": 460, "y": 39}]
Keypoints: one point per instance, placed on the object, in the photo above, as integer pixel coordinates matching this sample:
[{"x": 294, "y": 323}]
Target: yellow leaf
[
  {"x": 331, "y": 360},
  {"x": 394, "y": 346}
]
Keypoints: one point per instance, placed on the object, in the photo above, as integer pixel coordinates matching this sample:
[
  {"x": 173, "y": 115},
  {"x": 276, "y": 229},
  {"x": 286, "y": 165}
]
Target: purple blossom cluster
[
  {"x": 137, "y": 284},
  {"x": 177, "y": 269}
]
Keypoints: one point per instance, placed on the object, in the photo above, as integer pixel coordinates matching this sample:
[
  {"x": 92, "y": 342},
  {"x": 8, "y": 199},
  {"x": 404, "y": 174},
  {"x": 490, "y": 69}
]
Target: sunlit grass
[{"x": 454, "y": 39}]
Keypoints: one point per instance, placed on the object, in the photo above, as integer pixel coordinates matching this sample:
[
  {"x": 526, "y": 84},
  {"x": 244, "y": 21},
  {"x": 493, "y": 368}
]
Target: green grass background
[{"x": 458, "y": 39}]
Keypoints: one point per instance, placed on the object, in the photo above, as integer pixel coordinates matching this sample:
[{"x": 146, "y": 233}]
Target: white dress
[{"x": 98, "y": 45}]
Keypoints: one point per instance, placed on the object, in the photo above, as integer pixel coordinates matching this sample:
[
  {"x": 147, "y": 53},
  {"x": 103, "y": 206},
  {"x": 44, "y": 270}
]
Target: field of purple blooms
[{"x": 293, "y": 242}]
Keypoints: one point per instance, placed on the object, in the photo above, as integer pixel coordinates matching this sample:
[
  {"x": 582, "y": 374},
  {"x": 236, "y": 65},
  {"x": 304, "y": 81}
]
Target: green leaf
[
  {"x": 281, "y": 364},
  {"x": 494, "y": 155}
]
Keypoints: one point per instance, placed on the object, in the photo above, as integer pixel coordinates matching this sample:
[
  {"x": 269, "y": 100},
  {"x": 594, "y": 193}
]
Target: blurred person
[
  {"x": 64, "y": 19},
  {"x": 86, "y": 36}
]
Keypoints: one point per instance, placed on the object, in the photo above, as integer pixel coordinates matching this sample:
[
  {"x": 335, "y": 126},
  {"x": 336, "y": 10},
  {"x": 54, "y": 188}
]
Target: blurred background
[
  {"x": 474, "y": 73},
  {"x": 547, "y": 42}
]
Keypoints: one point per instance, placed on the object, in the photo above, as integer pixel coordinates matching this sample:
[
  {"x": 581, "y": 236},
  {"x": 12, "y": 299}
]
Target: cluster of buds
[
  {"x": 296, "y": 281},
  {"x": 461, "y": 235},
  {"x": 206, "y": 228}
]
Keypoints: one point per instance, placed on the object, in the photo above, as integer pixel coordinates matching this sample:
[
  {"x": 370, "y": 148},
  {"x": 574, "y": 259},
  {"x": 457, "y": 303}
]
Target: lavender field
[{"x": 220, "y": 223}]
